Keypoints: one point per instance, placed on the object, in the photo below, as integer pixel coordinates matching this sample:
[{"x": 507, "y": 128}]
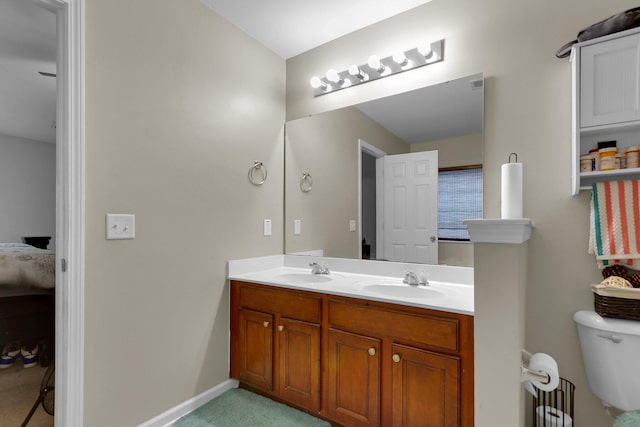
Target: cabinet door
[
  {"x": 299, "y": 366},
  {"x": 426, "y": 388},
  {"x": 255, "y": 349},
  {"x": 610, "y": 81},
  {"x": 353, "y": 379}
]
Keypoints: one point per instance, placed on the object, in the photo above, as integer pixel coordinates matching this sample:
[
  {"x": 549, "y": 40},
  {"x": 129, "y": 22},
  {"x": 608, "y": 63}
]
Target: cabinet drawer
[
  {"x": 294, "y": 306},
  {"x": 429, "y": 330}
]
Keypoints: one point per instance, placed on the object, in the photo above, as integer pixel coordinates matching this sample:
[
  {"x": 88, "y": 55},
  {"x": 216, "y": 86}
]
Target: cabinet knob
[
  {"x": 372, "y": 351},
  {"x": 396, "y": 358},
  {"x": 281, "y": 328},
  {"x": 265, "y": 324}
]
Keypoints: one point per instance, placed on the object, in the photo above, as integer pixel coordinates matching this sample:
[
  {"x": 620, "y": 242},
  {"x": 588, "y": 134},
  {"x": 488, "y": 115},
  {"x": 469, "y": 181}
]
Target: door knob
[
  {"x": 396, "y": 358},
  {"x": 265, "y": 324},
  {"x": 432, "y": 238},
  {"x": 281, "y": 328},
  {"x": 372, "y": 351}
]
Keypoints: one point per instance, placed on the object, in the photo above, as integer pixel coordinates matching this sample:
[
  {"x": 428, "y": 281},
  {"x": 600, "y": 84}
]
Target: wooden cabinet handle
[
  {"x": 396, "y": 358},
  {"x": 372, "y": 351},
  {"x": 281, "y": 328},
  {"x": 265, "y": 324}
]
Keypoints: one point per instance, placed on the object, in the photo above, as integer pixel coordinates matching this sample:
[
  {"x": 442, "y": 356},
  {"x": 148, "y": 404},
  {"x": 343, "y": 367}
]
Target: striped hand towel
[{"x": 615, "y": 223}]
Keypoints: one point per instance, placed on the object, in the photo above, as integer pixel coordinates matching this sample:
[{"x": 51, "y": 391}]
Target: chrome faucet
[
  {"x": 411, "y": 278},
  {"x": 319, "y": 269}
]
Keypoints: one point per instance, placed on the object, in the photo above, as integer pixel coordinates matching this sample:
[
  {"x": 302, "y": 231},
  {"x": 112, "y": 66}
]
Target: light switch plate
[
  {"x": 297, "y": 226},
  {"x": 267, "y": 227},
  {"x": 352, "y": 225},
  {"x": 121, "y": 226}
]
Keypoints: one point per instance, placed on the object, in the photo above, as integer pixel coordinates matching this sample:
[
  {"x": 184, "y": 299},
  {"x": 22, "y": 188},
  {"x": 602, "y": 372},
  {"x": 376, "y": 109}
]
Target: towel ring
[
  {"x": 306, "y": 183},
  {"x": 257, "y": 173}
]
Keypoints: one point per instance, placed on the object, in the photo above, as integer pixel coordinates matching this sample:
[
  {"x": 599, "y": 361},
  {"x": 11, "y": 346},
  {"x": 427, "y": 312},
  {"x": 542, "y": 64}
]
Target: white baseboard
[{"x": 182, "y": 409}]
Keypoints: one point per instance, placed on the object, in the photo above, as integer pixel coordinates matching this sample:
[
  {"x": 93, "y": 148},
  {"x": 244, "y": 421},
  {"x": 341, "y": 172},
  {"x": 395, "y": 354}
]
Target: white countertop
[{"x": 453, "y": 295}]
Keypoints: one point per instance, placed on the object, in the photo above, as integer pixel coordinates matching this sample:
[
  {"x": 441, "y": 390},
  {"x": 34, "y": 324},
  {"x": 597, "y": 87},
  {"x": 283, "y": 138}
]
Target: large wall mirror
[{"x": 388, "y": 179}]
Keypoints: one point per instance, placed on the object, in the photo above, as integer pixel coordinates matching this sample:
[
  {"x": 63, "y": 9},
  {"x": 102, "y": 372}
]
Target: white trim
[
  {"x": 169, "y": 416},
  {"x": 69, "y": 357},
  {"x": 365, "y": 147}
]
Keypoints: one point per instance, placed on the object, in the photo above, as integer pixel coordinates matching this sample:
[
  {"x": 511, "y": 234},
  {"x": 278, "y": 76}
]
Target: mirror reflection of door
[
  {"x": 410, "y": 214},
  {"x": 404, "y": 187}
]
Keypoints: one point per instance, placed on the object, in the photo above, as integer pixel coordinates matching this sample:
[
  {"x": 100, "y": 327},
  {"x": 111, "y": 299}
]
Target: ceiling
[
  {"x": 27, "y": 46},
  {"x": 290, "y": 27},
  {"x": 443, "y": 111}
]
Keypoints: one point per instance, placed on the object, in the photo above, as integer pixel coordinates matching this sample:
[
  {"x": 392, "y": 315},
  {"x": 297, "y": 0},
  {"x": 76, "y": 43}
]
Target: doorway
[
  {"x": 69, "y": 294},
  {"x": 405, "y": 196},
  {"x": 369, "y": 199}
]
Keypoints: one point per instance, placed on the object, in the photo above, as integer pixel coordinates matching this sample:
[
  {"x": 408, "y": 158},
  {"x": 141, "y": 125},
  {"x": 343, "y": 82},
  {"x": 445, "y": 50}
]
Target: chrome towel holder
[
  {"x": 257, "y": 173},
  {"x": 306, "y": 183}
]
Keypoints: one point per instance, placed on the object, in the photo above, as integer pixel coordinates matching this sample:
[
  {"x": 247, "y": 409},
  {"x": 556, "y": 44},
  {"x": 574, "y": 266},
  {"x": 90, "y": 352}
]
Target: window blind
[{"x": 459, "y": 198}]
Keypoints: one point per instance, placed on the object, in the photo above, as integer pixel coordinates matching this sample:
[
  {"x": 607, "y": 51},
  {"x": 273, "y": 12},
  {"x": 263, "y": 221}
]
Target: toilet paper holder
[{"x": 527, "y": 374}]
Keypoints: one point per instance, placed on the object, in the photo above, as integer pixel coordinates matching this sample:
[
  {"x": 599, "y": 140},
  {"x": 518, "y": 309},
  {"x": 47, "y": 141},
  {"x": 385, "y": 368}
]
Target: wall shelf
[{"x": 495, "y": 230}]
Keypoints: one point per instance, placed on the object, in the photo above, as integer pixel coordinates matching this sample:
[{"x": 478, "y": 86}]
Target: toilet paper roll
[
  {"x": 511, "y": 190},
  {"x": 552, "y": 417},
  {"x": 545, "y": 363}
]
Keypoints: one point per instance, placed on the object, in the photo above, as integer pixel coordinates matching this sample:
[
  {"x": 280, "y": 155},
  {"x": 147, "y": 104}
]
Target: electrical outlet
[
  {"x": 297, "y": 226},
  {"x": 121, "y": 226},
  {"x": 352, "y": 225},
  {"x": 267, "y": 227}
]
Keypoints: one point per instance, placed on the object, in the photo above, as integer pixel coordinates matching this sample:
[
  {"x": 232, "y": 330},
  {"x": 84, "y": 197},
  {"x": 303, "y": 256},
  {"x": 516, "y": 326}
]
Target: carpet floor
[
  {"x": 241, "y": 408},
  {"x": 19, "y": 388}
]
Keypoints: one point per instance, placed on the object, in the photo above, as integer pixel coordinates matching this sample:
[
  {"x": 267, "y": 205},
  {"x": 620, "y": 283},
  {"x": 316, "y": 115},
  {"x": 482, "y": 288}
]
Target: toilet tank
[{"x": 611, "y": 354}]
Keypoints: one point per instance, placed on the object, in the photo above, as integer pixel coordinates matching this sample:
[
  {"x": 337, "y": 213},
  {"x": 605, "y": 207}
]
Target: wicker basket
[{"x": 620, "y": 303}]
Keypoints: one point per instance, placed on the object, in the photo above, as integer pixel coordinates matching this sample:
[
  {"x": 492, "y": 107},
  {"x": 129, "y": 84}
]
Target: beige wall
[
  {"x": 527, "y": 110},
  {"x": 326, "y": 146},
  {"x": 175, "y": 116},
  {"x": 459, "y": 151}
]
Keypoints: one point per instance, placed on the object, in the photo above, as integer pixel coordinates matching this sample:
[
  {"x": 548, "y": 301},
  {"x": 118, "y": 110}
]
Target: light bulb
[
  {"x": 400, "y": 58},
  {"x": 316, "y": 83},
  {"x": 333, "y": 76},
  {"x": 355, "y": 71},
  {"x": 374, "y": 63},
  {"x": 425, "y": 50}
]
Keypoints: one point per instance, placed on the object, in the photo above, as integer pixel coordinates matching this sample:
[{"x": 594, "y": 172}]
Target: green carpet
[
  {"x": 241, "y": 408},
  {"x": 628, "y": 419}
]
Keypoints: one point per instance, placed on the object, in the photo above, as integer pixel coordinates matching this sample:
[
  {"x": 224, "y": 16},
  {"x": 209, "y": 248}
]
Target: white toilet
[{"x": 611, "y": 354}]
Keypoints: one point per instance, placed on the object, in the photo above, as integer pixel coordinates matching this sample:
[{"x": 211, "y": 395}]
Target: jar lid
[
  {"x": 606, "y": 144},
  {"x": 632, "y": 148},
  {"x": 608, "y": 150}
]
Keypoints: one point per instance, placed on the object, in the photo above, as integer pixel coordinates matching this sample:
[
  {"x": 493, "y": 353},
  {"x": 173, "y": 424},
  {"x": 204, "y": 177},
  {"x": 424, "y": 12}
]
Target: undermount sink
[
  {"x": 399, "y": 289},
  {"x": 304, "y": 277}
]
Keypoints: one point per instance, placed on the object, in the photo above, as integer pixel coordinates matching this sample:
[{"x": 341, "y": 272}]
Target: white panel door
[
  {"x": 411, "y": 207},
  {"x": 610, "y": 81}
]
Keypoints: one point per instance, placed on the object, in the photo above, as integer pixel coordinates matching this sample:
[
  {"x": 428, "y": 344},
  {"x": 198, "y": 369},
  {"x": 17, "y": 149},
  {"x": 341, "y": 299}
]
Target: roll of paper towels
[
  {"x": 552, "y": 417},
  {"x": 511, "y": 190},
  {"x": 547, "y": 364}
]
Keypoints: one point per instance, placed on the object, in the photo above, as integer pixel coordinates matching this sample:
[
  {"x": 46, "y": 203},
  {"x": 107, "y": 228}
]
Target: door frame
[
  {"x": 70, "y": 221},
  {"x": 365, "y": 147}
]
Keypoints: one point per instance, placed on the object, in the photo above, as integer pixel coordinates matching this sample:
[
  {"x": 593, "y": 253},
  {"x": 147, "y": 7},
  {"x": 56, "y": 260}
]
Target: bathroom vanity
[{"x": 355, "y": 349}]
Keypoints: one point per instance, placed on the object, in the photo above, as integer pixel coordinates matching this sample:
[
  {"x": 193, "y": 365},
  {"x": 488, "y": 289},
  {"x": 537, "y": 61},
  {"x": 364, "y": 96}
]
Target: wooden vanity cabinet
[
  {"x": 275, "y": 343},
  {"x": 382, "y": 364}
]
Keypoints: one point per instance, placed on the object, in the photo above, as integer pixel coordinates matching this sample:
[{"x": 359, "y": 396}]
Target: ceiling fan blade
[{"x": 42, "y": 73}]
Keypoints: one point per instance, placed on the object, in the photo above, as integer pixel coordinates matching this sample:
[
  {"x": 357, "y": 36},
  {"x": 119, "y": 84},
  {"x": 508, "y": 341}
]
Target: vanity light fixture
[
  {"x": 377, "y": 67},
  {"x": 317, "y": 83},
  {"x": 401, "y": 59},
  {"x": 356, "y": 71},
  {"x": 334, "y": 77}
]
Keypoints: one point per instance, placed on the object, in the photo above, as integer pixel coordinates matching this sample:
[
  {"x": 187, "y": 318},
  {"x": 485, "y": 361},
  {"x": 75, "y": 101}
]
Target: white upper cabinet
[
  {"x": 606, "y": 102},
  {"x": 610, "y": 82}
]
